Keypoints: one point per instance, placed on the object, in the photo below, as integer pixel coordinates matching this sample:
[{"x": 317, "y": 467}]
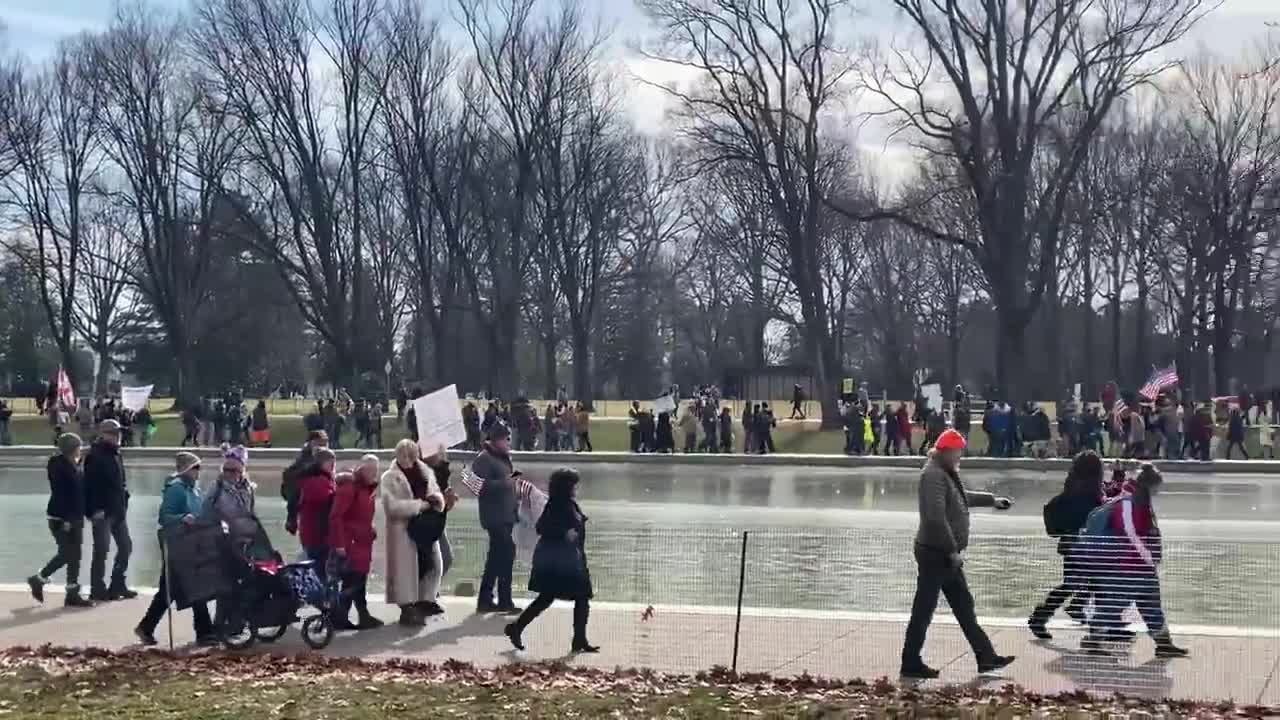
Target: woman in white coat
[{"x": 413, "y": 574}]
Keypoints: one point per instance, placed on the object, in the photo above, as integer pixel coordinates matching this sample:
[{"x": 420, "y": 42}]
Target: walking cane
[{"x": 168, "y": 596}]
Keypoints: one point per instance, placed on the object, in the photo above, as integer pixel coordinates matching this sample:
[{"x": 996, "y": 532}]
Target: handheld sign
[
  {"x": 439, "y": 418},
  {"x": 135, "y": 398}
]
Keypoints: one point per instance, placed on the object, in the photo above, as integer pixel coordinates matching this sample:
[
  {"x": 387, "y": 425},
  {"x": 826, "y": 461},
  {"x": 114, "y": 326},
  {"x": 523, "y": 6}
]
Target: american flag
[
  {"x": 1160, "y": 379},
  {"x": 66, "y": 394}
]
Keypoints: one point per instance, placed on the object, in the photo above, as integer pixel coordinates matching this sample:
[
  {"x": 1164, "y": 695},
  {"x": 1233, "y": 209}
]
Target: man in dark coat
[
  {"x": 942, "y": 538},
  {"x": 499, "y": 506},
  {"x": 107, "y": 506}
]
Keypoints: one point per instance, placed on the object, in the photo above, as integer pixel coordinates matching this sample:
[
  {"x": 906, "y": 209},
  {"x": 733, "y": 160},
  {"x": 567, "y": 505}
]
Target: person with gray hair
[{"x": 66, "y": 521}]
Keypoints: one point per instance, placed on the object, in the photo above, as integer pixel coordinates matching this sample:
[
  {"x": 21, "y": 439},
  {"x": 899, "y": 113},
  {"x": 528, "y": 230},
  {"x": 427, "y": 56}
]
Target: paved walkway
[{"x": 1225, "y": 663}]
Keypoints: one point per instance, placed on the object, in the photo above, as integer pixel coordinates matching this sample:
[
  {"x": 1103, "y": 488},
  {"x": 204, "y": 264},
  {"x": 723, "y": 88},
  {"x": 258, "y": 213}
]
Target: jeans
[
  {"x": 160, "y": 604},
  {"x": 1114, "y": 592},
  {"x": 68, "y": 555},
  {"x": 5, "y": 437},
  {"x": 105, "y": 531},
  {"x": 1235, "y": 444},
  {"x": 935, "y": 576},
  {"x": 446, "y": 554},
  {"x": 581, "y": 611},
  {"x": 1173, "y": 446},
  {"x": 354, "y": 592},
  {"x": 498, "y": 566},
  {"x": 584, "y": 442}
]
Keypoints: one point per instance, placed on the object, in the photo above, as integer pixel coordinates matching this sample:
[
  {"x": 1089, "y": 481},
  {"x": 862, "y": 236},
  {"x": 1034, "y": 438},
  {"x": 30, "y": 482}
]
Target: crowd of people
[
  {"x": 332, "y": 513},
  {"x": 1106, "y": 533}
]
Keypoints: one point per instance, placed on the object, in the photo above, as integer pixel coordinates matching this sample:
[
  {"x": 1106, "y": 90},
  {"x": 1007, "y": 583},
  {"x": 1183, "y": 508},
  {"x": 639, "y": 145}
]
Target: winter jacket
[
  {"x": 1067, "y": 515},
  {"x": 66, "y": 490},
  {"x": 405, "y": 584},
  {"x": 1135, "y": 524},
  {"x": 944, "y": 509},
  {"x": 351, "y": 523},
  {"x": 315, "y": 500},
  {"x": 560, "y": 565},
  {"x": 181, "y": 498},
  {"x": 233, "y": 502},
  {"x": 106, "y": 487},
  {"x": 260, "y": 420},
  {"x": 497, "y": 500}
]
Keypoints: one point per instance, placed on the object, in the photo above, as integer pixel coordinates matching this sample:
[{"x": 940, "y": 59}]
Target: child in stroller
[{"x": 269, "y": 594}]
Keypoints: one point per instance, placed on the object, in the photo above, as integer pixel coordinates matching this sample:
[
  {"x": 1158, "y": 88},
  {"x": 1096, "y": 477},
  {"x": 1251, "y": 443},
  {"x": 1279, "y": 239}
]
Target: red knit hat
[{"x": 950, "y": 440}]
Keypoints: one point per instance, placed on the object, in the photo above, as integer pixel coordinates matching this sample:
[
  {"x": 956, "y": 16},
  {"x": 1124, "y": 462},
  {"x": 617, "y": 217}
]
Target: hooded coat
[{"x": 351, "y": 521}]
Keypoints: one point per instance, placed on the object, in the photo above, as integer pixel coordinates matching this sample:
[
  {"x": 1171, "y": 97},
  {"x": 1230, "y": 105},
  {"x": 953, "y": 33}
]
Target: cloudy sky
[{"x": 35, "y": 26}]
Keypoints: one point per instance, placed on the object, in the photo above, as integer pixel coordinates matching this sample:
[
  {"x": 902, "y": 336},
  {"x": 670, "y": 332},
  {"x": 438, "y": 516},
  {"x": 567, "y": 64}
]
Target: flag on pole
[
  {"x": 1160, "y": 379},
  {"x": 66, "y": 393}
]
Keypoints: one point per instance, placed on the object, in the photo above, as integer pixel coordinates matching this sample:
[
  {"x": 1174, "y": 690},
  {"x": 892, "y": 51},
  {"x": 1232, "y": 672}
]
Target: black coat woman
[
  {"x": 1064, "y": 517},
  {"x": 559, "y": 569}
]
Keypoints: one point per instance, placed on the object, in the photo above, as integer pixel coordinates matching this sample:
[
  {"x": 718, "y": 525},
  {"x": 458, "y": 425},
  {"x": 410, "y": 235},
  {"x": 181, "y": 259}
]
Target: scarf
[{"x": 417, "y": 482}]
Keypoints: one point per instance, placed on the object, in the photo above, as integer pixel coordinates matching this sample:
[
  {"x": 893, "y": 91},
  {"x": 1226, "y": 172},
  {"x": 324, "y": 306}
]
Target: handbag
[{"x": 426, "y": 527}]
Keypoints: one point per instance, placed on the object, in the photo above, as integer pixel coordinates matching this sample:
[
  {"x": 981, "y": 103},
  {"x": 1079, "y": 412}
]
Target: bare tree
[
  {"x": 54, "y": 130},
  {"x": 1230, "y": 172},
  {"x": 994, "y": 83},
  {"x": 770, "y": 74},
  {"x": 108, "y": 306},
  {"x": 173, "y": 152},
  {"x": 262, "y": 58}
]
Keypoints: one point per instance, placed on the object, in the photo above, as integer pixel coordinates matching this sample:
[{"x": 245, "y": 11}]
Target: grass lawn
[
  {"x": 64, "y": 684},
  {"x": 606, "y": 435}
]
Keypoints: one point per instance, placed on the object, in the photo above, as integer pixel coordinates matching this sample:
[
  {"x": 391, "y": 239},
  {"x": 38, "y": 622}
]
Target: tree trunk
[
  {"x": 1052, "y": 342},
  {"x": 582, "y": 388},
  {"x": 1140, "y": 365},
  {"x": 1011, "y": 356},
  {"x": 1088, "y": 388},
  {"x": 1116, "y": 327}
]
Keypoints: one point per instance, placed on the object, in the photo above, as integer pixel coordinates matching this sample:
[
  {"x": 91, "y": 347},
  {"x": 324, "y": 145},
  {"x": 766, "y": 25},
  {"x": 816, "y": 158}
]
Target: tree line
[{"x": 218, "y": 195}]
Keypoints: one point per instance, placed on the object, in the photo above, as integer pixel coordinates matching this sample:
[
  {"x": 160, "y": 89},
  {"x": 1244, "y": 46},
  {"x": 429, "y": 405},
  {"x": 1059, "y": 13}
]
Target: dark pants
[
  {"x": 498, "y": 565},
  {"x": 354, "y": 592},
  {"x": 68, "y": 555},
  {"x": 1114, "y": 593},
  {"x": 935, "y": 576},
  {"x": 105, "y": 531},
  {"x": 584, "y": 442},
  {"x": 160, "y": 603},
  {"x": 1237, "y": 444},
  {"x": 319, "y": 554},
  {"x": 797, "y": 410},
  {"x": 1074, "y": 587},
  {"x": 581, "y": 610}
]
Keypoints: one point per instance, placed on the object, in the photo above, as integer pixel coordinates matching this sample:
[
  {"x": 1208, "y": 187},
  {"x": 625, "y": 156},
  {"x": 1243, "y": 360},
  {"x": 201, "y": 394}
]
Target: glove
[
  {"x": 1003, "y": 503},
  {"x": 291, "y": 526}
]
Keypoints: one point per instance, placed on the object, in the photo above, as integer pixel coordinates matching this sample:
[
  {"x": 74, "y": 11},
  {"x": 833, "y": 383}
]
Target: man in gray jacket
[
  {"x": 943, "y": 536},
  {"x": 498, "y": 506}
]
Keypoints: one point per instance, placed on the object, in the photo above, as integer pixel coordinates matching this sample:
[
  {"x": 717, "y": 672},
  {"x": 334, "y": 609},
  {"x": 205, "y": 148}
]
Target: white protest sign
[
  {"x": 933, "y": 395},
  {"x": 135, "y": 398},
  {"x": 664, "y": 404},
  {"x": 439, "y": 419}
]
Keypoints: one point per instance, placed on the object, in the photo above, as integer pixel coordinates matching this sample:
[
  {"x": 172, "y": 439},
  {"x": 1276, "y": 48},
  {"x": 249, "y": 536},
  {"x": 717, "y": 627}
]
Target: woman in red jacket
[
  {"x": 1126, "y": 561},
  {"x": 351, "y": 535},
  {"x": 315, "y": 501}
]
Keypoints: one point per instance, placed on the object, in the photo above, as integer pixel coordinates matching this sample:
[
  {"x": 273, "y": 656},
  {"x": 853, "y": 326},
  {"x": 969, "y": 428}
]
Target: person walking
[
  {"x": 1125, "y": 552},
  {"x": 413, "y": 572},
  {"x": 65, "y": 511},
  {"x": 351, "y": 535},
  {"x": 1235, "y": 432},
  {"x": 291, "y": 478},
  {"x": 180, "y": 505},
  {"x": 1064, "y": 518},
  {"x": 560, "y": 570},
  {"x": 584, "y": 428},
  {"x": 260, "y": 425},
  {"x": 107, "y": 506},
  {"x": 498, "y": 505},
  {"x": 797, "y": 403},
  {"x": 232, "y": 499},
  {"x": 726, "y": 430},
  {"x": 315, "y": 501},
  {"x": 748, "y": 428},
  {"x": 940, "y": 543},
  {"x": 689, "y": 428}
]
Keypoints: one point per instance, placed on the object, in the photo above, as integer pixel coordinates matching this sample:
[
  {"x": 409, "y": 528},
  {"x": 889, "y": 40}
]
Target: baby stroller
[{"x": 269, "y": 593}]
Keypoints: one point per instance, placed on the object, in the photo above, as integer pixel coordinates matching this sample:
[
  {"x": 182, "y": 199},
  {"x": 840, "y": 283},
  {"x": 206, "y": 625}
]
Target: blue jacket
[{"x": 181, "y": 498}]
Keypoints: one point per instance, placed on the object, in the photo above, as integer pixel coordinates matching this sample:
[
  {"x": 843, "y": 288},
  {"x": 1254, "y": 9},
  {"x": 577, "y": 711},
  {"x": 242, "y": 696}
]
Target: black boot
[
  {"x": 512, "y": 631},
  {"x": 580, "y": 645},
  {"x": 36, "y": 583},
  {"x": 1165, "y": 647},
  {"x": 73, "y": 599},
  {"x": 1037, "y": 623}
]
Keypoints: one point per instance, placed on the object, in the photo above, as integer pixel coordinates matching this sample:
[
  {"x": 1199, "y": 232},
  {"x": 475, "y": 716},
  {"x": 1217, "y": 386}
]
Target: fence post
[{"x": 742, "y": 581}]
